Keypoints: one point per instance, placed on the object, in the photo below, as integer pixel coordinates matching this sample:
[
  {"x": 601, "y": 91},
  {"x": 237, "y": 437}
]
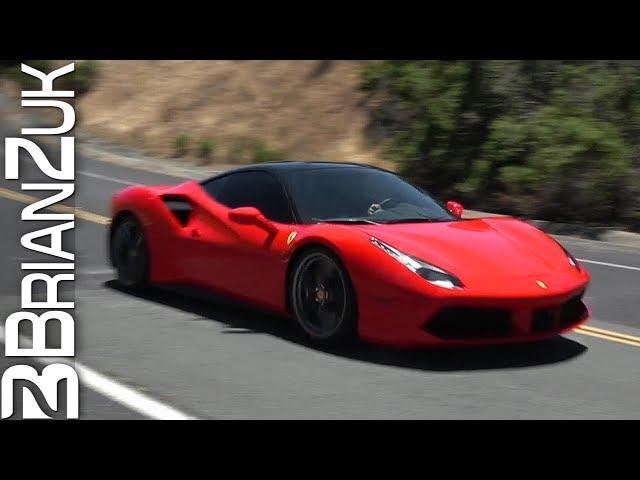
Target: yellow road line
[
  {"x": 83, "y": 214},
  {"x": 609, "y": 335},
  {"x": 17, "y": 196},
  {"x": 95, "y": 218}
]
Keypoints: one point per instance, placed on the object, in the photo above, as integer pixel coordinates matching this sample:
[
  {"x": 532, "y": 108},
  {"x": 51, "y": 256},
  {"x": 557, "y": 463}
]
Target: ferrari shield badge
[{"x": 292, "y": 235}]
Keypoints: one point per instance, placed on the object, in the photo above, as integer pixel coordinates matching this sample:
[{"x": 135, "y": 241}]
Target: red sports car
[{"x": 350, "y": 250}]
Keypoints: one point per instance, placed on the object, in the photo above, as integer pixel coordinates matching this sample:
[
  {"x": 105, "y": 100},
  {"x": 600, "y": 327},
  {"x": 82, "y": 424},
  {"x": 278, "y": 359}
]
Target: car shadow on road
[{"x": 237, "y": 319}]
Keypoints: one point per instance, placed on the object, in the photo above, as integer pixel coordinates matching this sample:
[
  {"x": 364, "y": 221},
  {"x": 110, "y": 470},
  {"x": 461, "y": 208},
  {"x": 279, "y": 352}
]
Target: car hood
[{"x": 500, "y": 247}]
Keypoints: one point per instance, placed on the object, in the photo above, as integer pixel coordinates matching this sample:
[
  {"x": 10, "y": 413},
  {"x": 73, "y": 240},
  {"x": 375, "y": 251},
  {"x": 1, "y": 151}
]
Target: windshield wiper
[
  {"x": 345, "y": 220},
  {"x": 409, "y": 220}
]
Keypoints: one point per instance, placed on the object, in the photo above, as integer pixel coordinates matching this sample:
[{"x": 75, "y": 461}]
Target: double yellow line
[
  {"x": 83, "y": 214},
  {"x": 102, "y": 220},
  {"x": 609, "y": 335}
]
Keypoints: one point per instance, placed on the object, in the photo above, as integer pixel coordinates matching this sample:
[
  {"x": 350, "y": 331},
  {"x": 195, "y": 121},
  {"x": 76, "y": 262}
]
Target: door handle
[{"x": 195, "y": 233}]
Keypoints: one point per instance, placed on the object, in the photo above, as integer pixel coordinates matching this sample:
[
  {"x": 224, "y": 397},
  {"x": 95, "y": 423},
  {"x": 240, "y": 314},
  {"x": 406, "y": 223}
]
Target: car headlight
[
  {"x": 572, "y": 261},
  {"x": 430, "y": 273},
  {"x": 570, "y": 258}
]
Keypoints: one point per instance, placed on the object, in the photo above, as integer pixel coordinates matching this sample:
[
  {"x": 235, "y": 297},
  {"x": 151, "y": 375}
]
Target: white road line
[
  {"x": 598, "y": 244},
  {"x": 614, "y": 265},
  {"x": 97, "y": 271},
  {"x": 127, "y": 396},
  {"x": 110, "y": 388},
  {"x": 105, "y": 177}
]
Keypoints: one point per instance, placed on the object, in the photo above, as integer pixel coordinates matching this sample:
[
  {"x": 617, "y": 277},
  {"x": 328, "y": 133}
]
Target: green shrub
[
  {"x": 206, "y": 149},
  {"x": 260, "y": 153},
  {"x": 253, "y": 150},
  {"x": 181, "y": 144},
  {"x": 13, "y": 71},
  {"x": 82, "y": 77}
]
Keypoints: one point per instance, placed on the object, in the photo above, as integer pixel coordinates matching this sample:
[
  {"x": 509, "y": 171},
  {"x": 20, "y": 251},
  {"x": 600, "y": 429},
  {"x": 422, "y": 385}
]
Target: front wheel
[
  {"x": 130, "y": 254},
  {"x": 322, "y": 298}
]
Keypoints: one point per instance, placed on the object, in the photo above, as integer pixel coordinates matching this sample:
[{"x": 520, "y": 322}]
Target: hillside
[{"x": 308, "y": 109}]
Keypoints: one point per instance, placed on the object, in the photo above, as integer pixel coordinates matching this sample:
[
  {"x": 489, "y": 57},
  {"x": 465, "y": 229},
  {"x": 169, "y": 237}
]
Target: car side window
[
  {"x": 214, "y": 186},
  {"x": 253, "y": 189}
]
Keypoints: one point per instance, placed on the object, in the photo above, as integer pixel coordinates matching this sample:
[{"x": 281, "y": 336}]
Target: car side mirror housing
[
  {"x": 251, "y": 216},
  {"x": 455, "y": 208}
]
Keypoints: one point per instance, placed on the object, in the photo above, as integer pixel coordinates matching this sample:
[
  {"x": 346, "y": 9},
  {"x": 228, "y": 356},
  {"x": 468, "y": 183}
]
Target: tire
[
  {"x": 130, "y": 253},
  {"x": 322, "y": 297}
]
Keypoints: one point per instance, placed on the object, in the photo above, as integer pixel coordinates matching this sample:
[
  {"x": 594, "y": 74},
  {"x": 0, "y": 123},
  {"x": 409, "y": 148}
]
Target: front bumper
[{"x": 406, "y": 318}]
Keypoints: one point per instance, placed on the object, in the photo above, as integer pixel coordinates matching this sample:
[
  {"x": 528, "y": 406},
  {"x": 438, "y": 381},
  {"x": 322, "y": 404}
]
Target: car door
[{"x": 243, "y": 258}]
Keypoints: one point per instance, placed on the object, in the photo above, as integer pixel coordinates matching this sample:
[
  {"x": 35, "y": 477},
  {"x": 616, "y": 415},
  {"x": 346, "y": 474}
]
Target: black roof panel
[
  {"x": 300, "y": 165},
  {"x": 285, "y": 167}
]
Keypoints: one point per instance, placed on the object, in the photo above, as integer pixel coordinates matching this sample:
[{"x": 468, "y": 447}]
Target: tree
[{"x": 550, "y": 139}]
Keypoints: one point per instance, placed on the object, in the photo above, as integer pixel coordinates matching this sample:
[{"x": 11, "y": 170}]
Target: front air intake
[
  {"x": 544, "y": 320},
  {"x": 464, "y": 323},
  {"x": 572, "y": 311}
]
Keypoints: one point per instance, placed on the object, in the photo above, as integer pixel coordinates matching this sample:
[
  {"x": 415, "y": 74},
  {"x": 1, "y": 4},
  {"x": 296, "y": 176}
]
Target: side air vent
[{"x": 180, "y": 208}]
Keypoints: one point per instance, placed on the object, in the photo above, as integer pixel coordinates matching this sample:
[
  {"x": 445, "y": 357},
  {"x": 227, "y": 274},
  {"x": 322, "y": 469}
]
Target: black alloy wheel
[
  {"x": 130, "y": 254},
  {"x": 322, "y": 298}
]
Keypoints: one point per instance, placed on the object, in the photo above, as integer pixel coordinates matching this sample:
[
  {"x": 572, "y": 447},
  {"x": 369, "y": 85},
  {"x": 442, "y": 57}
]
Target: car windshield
[{"x": 361, "y": 195}]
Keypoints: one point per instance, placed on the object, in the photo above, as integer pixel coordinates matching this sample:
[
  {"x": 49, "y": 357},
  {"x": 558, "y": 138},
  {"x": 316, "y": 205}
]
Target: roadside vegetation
[
  {"x": 556, "y": 140},
  {"x": 243, "y": 150},
  {"x": 80, "y": 80},
  {"x": 182, "y": 144},
  {"x": 206, "y": 150},
  {"x": 261, "y": 153},
  {"x": 254, "y": 150}
]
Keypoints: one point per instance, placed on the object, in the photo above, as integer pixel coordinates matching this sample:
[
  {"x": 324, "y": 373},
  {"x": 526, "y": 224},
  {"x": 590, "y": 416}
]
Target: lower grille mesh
[
  {"x": 469, "y": 323},
  {"x": 572, "y": 311},
  {"x": 459, "y": 323}
]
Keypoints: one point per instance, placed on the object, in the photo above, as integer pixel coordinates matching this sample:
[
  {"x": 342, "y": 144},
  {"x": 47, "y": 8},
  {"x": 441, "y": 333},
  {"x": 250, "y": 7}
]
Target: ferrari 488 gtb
[{"x": 349, "y": 250}]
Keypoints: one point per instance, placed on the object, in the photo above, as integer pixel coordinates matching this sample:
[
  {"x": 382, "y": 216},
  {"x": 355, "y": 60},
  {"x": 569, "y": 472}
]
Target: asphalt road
[{"x": 206, "y": 360}]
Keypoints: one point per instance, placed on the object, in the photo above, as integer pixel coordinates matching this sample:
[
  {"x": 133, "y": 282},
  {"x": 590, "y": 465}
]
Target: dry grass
[{"x": 310, "y": 109}]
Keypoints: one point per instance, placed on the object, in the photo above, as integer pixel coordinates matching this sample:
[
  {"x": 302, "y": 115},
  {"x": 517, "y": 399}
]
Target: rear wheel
[
  {"x": 322, "y": 298},
  {"x": 130, "y": 254}
]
